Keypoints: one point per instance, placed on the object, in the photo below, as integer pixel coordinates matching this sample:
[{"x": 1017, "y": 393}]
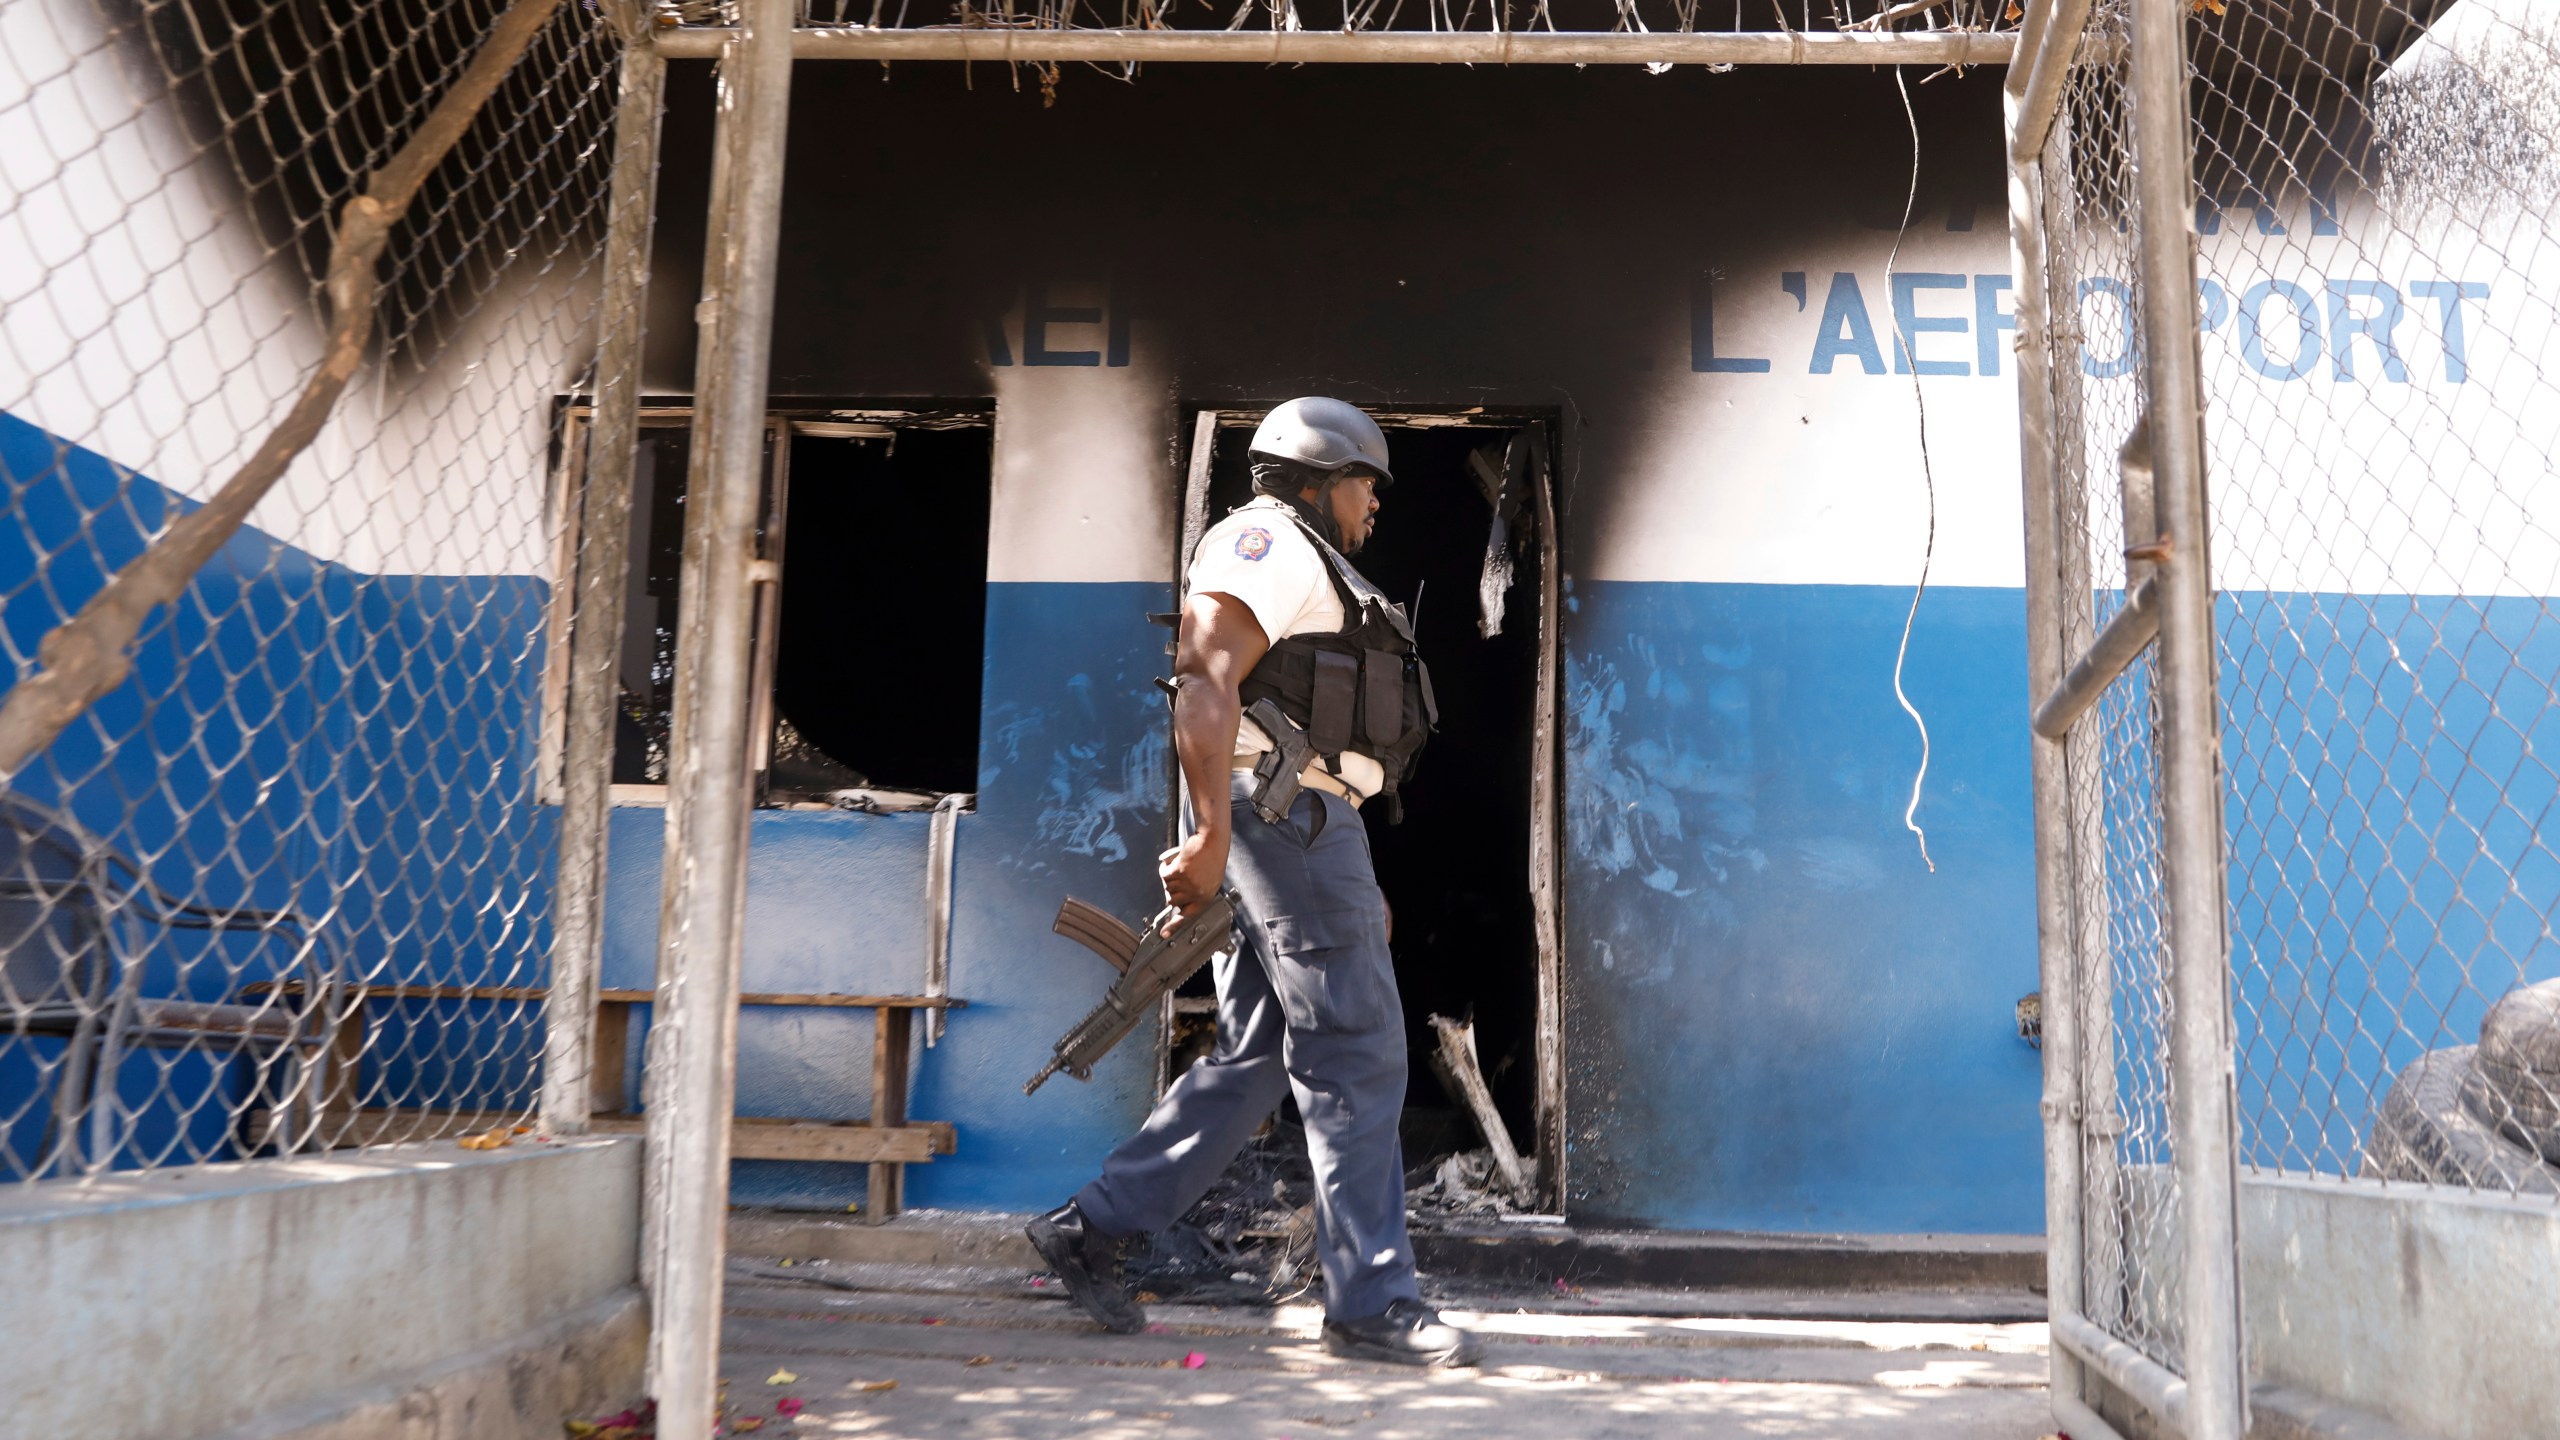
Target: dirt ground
[{"x": 900, "y": 1351}]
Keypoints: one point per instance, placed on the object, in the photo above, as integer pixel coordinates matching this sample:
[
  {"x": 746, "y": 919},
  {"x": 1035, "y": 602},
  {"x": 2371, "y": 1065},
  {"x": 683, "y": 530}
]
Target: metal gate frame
[
  {"x": 2071, "y": 662},
  {"x": 692, "y": 1059}
]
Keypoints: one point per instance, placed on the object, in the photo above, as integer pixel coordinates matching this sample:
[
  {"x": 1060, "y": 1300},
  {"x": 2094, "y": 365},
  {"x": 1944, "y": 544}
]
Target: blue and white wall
[
  {"x": 339, "y": 715},
  {"x": 1777, "y": 1017},
  {"x": 1073, "y": 772}
]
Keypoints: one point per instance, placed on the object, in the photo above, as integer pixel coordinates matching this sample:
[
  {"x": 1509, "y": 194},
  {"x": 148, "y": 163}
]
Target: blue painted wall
[
  {"x": 1072, "y": 780},
  {"x": 294, "y": 734},
  {"x": 2391, "y": 872},
  {"x": 1778, "y": 1018}
]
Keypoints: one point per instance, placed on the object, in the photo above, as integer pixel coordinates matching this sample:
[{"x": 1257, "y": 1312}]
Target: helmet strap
[{"x": 1318, "y": 516}]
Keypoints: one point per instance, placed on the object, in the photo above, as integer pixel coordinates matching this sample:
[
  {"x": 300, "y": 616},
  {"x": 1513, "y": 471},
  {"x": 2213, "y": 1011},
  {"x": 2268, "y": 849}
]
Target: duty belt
[{"x": 1314, "y": 777}]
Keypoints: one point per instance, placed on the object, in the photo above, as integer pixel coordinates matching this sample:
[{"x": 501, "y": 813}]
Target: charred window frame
[{"x": 646, "y": 658}]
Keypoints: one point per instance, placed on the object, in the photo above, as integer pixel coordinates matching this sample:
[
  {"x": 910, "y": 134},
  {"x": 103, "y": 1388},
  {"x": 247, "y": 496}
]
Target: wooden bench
[{"x": 889, "y": 1142}]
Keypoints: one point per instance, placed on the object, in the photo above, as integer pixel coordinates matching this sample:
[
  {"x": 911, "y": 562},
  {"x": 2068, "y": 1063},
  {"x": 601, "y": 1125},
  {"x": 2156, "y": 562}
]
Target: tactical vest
[{"x": 1362, "y": 687}]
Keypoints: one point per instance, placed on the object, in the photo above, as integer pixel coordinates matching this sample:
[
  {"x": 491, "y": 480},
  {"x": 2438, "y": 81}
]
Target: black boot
[
  {"x": 1410, "y": 1333},
  {"x": 1089, "y": 1262}
]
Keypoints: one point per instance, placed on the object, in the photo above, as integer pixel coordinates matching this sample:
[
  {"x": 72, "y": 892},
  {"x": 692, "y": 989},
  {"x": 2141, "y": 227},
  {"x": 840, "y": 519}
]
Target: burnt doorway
[{"x": 1464, "y": 541}]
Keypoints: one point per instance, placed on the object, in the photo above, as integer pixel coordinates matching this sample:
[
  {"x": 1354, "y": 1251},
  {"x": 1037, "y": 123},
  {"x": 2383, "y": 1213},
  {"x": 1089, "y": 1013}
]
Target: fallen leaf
[
  {"x": 869, "y": 1387},
  {"x": 933, "y": 1322},
  {"x": 982, "y": 1359},
  {"x": 1979, "y": 1345},
  {"x": 1194, "y": 1360},
  {"x": 490, "y": 1141},
  {"x": 580, "y": 1429},
  {"x": 780, "y": 1377},
  {"x": 522, "y": 1130},
  {"x": 747, "y": 1424},
  {"x": 1149, "y": 1297}
]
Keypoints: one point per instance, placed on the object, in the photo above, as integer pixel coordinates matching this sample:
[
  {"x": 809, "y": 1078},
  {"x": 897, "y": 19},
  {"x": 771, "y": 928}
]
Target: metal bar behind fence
[
  {"x": 597, "y": 583},
  {"x": 693, "y": 1045},
  {"x": 2056, "y": 962},
  {"x": 2203, "y": 1110},
  {"x": 1369, "y": 47}
]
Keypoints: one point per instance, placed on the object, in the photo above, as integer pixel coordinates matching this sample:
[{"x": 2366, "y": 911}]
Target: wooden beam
[
  {"x": 752, "y": 1137},
  {"x": 628, "y": 997}
]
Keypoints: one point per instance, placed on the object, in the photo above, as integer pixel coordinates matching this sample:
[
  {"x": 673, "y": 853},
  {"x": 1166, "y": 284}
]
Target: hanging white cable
[{"x": 1928, "y": 480}]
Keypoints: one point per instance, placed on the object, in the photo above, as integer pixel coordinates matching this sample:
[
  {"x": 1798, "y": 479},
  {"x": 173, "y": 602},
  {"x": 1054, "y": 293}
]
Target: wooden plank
[
  {"x": 849, "y": 1002},
  {"x": 848, "y": 1142},
  {"x": 608, "y": 1056},
  {"x": 885, "y": 1193},
  {"x": 751, "y": 1137},
  {"x": 628, "y": 997},
  {"x": 1456, "y": 1062},
  {"x": 344, "y": 1094}
]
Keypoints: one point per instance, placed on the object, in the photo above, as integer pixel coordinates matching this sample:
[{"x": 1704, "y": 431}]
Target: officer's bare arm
[{"x": 1220, "y": 644}]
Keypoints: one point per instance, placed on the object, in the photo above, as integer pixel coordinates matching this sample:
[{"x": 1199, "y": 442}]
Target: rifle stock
[{"x": 1152, "y": 965}]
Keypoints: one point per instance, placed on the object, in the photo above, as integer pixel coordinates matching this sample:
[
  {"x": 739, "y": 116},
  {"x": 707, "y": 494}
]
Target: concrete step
[{"x": 1538, "y": 1267}]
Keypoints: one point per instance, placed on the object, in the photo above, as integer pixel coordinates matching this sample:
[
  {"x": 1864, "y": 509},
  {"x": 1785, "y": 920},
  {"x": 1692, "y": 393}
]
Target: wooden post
[{"x": 889, "y": 1036}]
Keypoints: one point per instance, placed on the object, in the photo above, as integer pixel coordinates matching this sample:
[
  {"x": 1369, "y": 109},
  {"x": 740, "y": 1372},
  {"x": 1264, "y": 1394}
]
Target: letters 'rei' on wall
[{"x": 1061, "y": 322}]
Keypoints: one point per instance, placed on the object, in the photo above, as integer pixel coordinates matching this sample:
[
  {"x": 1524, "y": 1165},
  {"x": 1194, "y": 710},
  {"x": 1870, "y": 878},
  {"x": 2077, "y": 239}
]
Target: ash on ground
[
  {"x": 1464, "y": 1186},
  {"x": 1251, "y": 1239}
]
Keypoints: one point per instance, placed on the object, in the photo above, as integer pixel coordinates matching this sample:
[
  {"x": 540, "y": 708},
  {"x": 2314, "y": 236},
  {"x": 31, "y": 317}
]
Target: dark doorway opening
[
  {"x": 1456, "y": 871},
  {"x": 881, "y": 640}
]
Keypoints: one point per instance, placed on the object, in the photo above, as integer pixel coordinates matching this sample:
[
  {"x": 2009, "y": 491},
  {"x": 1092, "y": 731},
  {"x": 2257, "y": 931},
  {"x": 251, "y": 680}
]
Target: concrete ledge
[
  {"x": 582, "y": 1365},
  {"x": 2430, "y": 1308},
  {"x": 216, "y": 1298},
  {"x": 917, "y": 1237},
  {"x": 1539, "y": 1254},
  {"x": 1734, "y": 1260}
]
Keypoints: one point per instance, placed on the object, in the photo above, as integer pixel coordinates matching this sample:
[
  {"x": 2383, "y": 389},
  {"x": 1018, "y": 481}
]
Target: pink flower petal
[
  {"x": 788, "y": 1406},
  {"x": 1194, "y": 1360}
]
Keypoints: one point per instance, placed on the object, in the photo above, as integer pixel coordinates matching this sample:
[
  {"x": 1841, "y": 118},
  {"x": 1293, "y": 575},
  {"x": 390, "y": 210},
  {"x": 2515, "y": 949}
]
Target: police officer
[{"x": 1307, "y": 1004}]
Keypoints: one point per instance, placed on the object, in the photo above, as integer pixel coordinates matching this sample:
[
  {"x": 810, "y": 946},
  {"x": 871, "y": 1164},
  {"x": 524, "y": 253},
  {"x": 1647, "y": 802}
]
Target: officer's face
[{"x": 1355, "y": 508}]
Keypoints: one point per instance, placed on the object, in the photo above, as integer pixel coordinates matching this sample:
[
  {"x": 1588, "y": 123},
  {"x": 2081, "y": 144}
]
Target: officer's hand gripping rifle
[{"x": 1151, "y": 965}]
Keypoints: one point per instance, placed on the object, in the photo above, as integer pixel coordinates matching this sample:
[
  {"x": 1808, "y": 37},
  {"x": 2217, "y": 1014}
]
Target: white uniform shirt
[{"x": 1259, "y": 556}]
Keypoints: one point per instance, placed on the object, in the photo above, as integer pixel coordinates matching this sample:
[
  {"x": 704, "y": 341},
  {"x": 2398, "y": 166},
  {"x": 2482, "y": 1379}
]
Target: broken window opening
[{"x": 868, "y": 651}]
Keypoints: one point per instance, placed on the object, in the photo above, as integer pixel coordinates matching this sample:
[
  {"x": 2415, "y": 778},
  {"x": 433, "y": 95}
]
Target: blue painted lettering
[
  {"x": 1845, "y": 329},
  {"x": 1909, "y": 323},
  {"x": 2253, "y": 336},
  {"x": 1988, "y": 321},
  {"x": 2345, "y": 325},
  {"x": 2213, "y": 302},
  {"x": 2127, "y": 325},
  {"x": 1702, "y": 334},
  {"x": 1038, "y": 315},
  {"x": 2449, "y": 295}
]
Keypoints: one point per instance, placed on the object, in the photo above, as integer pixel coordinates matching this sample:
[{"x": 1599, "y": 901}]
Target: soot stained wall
[{"x": 1778, "y": 1018}]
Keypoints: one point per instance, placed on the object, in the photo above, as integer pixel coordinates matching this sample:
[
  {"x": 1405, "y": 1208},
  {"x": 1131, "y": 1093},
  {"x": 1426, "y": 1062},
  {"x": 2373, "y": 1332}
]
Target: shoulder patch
[{"x": 1254, "y": 543}]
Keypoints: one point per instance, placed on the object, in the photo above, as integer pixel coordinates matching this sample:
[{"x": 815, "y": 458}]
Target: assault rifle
[{"x": 1151, "y": 965}]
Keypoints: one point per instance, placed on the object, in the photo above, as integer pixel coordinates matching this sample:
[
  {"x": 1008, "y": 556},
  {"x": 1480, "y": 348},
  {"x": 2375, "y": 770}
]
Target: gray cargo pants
[{"x": 1307, "y": 1005}]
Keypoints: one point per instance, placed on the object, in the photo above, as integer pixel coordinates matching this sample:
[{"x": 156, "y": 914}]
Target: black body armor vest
[{"x": 1363, "y": 687}]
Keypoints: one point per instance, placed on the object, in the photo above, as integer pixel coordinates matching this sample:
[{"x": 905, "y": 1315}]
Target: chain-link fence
[
  {"x": 285, "y": 885},
  {"x": 2379, "y": 215},
  {"x": 2370, "y": 194}
]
